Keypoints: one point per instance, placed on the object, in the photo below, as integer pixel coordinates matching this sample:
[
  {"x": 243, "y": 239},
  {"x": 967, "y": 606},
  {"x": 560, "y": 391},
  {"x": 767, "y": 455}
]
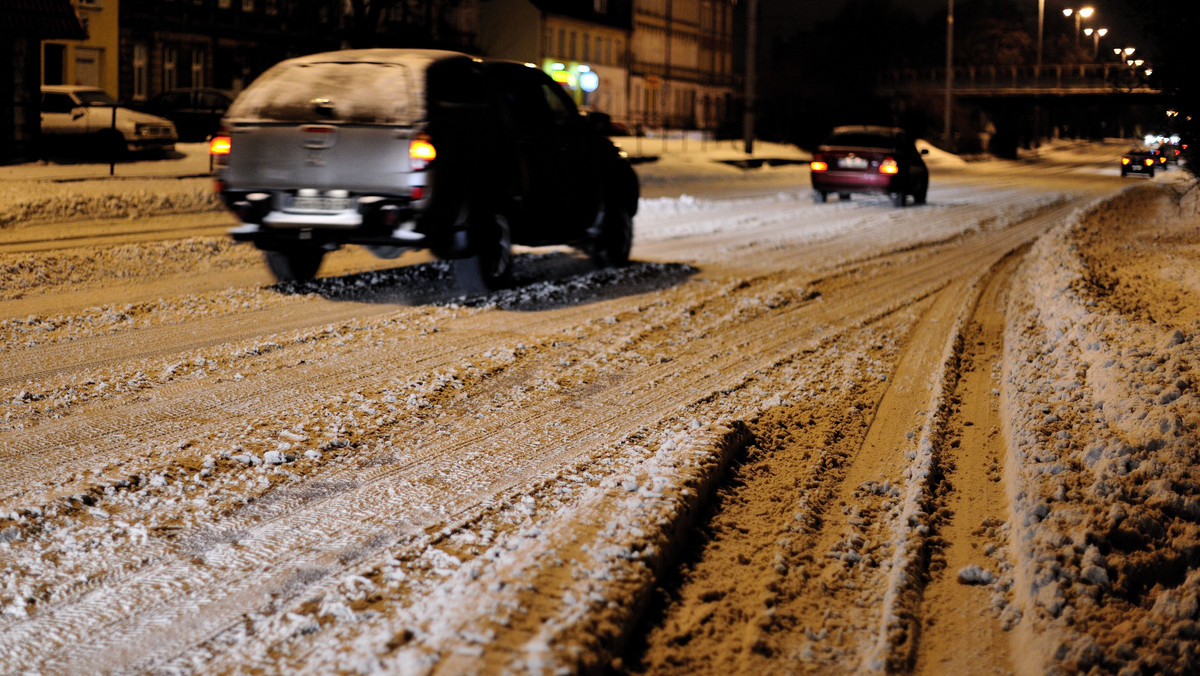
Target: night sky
[{"x": 784, "y": 17}]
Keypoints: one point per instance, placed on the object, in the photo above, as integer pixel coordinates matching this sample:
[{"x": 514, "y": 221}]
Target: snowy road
[{"x": 773, "y": 443}]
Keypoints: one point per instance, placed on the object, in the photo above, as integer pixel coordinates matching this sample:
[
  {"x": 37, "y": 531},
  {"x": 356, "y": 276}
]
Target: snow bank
[{"x": 1103, "y": 423}]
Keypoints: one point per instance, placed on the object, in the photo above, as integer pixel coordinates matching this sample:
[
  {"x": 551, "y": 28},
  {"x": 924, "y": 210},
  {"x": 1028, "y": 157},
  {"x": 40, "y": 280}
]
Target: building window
[
  {"x": 197, "y": 68},
  {"x": 587, "y": 47},
  {"x": 224, "y": 4},
  {"x": 562, "y": 43},
  {"x": 247, "y": 5},
  {"x": 600, "y": 6},
  {"x": 141, "y": 64},
  {"x": 571, "y": 51},
  {"x": 170, "y": 75}
]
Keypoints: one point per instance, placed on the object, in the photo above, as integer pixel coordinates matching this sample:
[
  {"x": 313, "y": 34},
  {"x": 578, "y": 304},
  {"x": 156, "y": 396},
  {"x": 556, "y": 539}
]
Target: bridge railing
[{"x": 993, "y": 79}]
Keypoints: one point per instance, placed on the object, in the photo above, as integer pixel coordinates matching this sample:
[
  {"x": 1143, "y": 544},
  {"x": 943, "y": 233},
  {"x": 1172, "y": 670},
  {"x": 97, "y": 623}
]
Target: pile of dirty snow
[{"x": 1103, "y": 422}]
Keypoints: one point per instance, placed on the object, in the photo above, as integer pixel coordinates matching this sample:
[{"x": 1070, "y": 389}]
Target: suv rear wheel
[
  {"x": 298, "y": 264},
  {"x": 490, "y": 267},
  {"x": 611, "y": 248}
]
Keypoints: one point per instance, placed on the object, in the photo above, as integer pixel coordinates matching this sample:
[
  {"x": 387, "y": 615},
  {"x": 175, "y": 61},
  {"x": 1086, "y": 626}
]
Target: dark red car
[{"x": 867, "y": 159}]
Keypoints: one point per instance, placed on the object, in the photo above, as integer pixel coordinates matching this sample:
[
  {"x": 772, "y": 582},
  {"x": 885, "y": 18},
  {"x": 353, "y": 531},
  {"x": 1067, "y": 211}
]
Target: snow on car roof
[{"x": 365, "y": 86}]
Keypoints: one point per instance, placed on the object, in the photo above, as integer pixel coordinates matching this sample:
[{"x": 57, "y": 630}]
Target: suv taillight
[
  {"x": 818, "y": 163},
  {"x": 889, "y": 166},
  {"x": 421, "y": 152},
  {"x": 219, "y": 145}
]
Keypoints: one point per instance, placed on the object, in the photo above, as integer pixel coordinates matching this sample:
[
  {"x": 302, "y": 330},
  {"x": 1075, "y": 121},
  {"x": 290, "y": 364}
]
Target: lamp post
[
  {"x": 1095, "y": 34},
  {"x": 1041, "y": 31},
  {"x": 949, "y": 72},
  {"x": 1079, "y": 14}
]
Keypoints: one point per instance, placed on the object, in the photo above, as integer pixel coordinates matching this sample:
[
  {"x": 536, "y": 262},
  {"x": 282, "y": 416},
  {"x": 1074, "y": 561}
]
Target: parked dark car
[
  {"x": 396, "y": 149},
  {"x": 868, "y": 159},
  {"x": 196, "y": 112},
  {"x": 1139, "y": 161}
]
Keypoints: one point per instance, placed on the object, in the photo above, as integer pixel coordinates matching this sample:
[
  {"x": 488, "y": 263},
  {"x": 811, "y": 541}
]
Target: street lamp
[
  {"x": 1095, "y": 34},
  {"x": 1079, "y": 14}
]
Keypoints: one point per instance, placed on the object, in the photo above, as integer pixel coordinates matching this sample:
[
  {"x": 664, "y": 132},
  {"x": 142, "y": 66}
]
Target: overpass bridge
[
  {"x": 1106, "y": 79},
  {"x": 998, "y": 108}
]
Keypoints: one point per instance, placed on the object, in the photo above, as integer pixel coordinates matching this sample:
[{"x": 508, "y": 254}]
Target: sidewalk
[{"x": 189, "y": 160}]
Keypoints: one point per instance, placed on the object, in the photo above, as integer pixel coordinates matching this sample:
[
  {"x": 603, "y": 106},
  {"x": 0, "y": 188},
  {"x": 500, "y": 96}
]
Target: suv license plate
[
  {"x": 320, "y": 203},
  {"x": 852, "y": 162}
]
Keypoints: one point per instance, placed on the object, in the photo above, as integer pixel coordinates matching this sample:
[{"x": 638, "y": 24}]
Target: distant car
[
  {"x": 1168, "y": 153},
  {"x": 398, "y": 149},
  {"x": 81, "y": 119},
  {"x": 1139, "y": 161},
  {"x": 196, "y": 112},
  {"x": 869, "y": 159}
]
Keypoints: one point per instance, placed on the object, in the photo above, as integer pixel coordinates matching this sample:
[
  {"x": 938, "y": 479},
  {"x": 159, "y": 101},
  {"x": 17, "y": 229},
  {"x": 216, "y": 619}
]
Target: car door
[
  {"x": 62, "y": 115},
  {"x": 562, "y": 194}
]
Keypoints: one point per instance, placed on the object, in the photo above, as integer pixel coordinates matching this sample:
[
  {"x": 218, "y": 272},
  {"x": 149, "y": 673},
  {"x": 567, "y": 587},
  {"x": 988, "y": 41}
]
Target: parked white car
[{"x": 80, "y": 119}]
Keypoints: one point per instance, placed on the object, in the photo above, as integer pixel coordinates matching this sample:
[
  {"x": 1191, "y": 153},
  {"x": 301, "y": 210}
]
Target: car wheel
[
  {"x": 490, "y": 267},
  {"x": 844, "y": 196},
  {"x": 611, "y": 248},
  {"x": 920, "y": 198},
  {"x": 899, "y": 199},
  {"x": 820, "y": 196},
  {"x": 298, "y": 264}
]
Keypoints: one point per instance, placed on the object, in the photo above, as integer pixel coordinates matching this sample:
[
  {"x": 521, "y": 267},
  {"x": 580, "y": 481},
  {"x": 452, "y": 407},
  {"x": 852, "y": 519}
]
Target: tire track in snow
[{"x": 772, "y": 335}]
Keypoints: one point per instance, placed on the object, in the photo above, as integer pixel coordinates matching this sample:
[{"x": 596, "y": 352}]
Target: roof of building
[{"x": 42, "y": 19}]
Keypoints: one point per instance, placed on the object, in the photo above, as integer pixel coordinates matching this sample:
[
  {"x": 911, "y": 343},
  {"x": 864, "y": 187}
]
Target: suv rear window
[
  {"x": 862, "y": 140},
  {"x": 352, "y": 92}
]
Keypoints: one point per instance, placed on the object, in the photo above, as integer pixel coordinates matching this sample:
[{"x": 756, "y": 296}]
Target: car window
[
  {"x": 534, "y": 101},
  {"x": 455, "y": 82},
  {"x": 361, "y": 92},
  {"x": 562, "y": 111},
  {"x": 862, "y": 140},
  {"x": 95, "y": 97},
  {"x": 210, "y": 101},
  {"x": 174, "y": 100},
  {"x": 54, "y": 102}
]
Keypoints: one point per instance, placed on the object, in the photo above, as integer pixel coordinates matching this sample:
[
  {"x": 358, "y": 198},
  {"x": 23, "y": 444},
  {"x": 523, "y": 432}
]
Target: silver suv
[{"x": 396, "y": 149}]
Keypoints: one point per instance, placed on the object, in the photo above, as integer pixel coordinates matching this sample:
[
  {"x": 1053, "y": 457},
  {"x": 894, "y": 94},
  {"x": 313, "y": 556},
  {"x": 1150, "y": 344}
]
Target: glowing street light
[
  {"x": 1079, "y": 14},
  {"x": 1095, "y": 34}
]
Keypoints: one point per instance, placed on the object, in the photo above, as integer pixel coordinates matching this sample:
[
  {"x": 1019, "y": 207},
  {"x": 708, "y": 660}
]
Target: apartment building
[
  {"x": 582, "y": 44},
  {"x": 681, "y": 71}
]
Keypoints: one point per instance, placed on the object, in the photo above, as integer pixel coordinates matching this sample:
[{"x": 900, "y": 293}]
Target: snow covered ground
[{"x": 1096, "y": 564}]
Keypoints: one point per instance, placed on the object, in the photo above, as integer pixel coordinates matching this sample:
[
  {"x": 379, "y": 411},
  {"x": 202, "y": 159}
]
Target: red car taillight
[
  {"x": 1149, "y": 161},
  {"x": 889, "y": 166},
  {"x": 1124, "y": 160},
  {"x": 219, "y": 145},
  {"x": 421, "y": 152},
  {"x": 818, "y": 165}
]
